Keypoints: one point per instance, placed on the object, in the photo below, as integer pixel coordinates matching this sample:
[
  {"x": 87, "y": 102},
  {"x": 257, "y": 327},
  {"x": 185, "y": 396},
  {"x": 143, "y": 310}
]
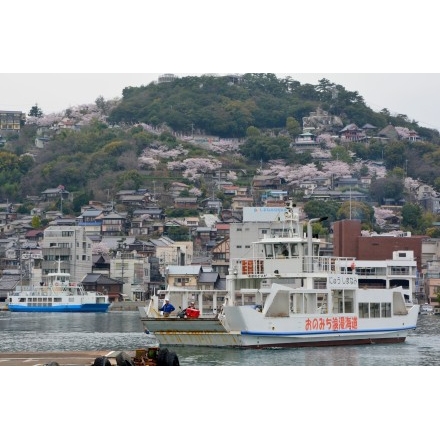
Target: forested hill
[
  {"x": 144, "y": 141},
  {"x": 226, "y": 106}
]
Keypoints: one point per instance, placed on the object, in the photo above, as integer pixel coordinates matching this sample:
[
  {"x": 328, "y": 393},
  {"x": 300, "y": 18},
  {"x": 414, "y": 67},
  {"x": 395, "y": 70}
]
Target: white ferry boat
[
  {"x": 58, "y": 294},
  {"x": 288, "y": 295}
]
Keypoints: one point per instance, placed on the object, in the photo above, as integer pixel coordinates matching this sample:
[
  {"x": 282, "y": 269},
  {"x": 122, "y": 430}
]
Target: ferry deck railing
[{"x": 260, "y": 266}]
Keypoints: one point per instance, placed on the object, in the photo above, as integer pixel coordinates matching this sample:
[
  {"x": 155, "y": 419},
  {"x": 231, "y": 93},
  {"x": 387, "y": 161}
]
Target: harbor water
[{"x": 122, "y": 330}]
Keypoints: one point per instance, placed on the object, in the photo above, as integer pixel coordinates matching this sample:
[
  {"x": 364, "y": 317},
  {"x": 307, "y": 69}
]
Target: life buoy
[{"x": 57, "y": 283}]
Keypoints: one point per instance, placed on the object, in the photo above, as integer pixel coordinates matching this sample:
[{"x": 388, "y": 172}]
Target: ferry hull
[
  {"x": 211, "y": 333},
  {"x": 76, "y": 308},
  {"x": 230, "y": 340}
]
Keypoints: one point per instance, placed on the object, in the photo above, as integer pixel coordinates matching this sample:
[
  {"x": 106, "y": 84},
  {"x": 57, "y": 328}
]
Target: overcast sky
[{"x": 176, "y": 36}]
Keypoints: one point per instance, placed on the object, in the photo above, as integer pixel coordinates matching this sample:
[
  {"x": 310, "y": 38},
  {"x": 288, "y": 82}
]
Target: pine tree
[{"x": 35, "y": 111}]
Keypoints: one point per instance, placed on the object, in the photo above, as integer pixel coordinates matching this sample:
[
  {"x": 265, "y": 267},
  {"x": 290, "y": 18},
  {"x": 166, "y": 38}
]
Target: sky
[
  {"x": 389, "y": 58},
  {"x": 416, "y": 95}
]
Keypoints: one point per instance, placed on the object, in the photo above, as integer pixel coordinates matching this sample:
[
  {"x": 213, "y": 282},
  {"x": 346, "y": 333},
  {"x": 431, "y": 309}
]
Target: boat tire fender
[
  {"x": 172, "y": 359},
  {"x": 123, "y": 359},
  {"x": 102, "y": 361},
  {"x": 161, "y": 358}
]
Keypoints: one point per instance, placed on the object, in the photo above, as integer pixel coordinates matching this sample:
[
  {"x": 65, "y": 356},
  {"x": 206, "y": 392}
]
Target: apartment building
[
  {"x": 69, "y": 245},
  {"x": 11, "y": 120}
]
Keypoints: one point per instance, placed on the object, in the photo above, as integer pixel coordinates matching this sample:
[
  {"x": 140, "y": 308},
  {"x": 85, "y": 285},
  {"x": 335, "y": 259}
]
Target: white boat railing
[
  {"x": 259, "y": 267},
  {"x": 208, "y": 302}
]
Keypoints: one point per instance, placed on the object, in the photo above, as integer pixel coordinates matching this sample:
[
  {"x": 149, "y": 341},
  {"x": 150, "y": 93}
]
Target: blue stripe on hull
[{"x": 83, "y": 308}]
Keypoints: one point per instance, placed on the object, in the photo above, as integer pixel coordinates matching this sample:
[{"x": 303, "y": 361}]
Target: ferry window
[
  {"x": 348, "y": 306},
  {"x": 385, "y": 310},
  {"x": 268, "y": 250},
  {"x": 363, "y": 310},
  {"x": 294, "y": 249},
  {"x": 375, "y": 310}
]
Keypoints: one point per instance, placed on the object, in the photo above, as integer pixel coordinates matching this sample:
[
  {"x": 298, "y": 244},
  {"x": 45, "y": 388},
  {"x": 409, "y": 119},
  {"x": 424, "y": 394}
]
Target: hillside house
[
  {"x": 238, "y": 203},
  {"x": 186, "y": 203},
  {"x": 266, "y": 182},
  {"x": 113, "y": 224},
  {"x": 55, "y": 193},
  {"x": 176, "y": 188}
]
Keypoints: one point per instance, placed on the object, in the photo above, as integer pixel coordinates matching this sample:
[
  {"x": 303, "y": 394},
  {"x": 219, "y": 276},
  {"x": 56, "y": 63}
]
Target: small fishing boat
[
  {"x": 288, "y": 295},
  {"x": 58, "y": 294}
]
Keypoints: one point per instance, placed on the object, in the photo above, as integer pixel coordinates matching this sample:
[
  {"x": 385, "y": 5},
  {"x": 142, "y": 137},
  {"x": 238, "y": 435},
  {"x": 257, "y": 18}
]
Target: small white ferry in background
[
  {"x": 426, "y": 309},
  {"x": 58, "y": 294},
  {"x": 287, "y": 295}
]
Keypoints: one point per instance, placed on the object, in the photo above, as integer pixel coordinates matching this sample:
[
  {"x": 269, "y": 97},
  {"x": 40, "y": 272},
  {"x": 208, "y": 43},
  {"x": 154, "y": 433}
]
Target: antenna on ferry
[{"x": 289, "y": 214}]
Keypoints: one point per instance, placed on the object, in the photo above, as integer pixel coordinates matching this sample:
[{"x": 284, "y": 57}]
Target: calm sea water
[{"x": 123, "y": 331}]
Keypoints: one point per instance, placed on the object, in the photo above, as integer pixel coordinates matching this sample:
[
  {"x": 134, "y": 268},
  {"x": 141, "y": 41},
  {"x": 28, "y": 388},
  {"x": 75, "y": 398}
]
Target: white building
[{"x": 69, "y": 245}]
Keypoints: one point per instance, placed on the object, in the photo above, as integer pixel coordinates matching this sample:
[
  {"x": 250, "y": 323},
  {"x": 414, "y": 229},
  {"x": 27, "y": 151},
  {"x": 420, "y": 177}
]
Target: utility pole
[{"x": 350, "y": 202}]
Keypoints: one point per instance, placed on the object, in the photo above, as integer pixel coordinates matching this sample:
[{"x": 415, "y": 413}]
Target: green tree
[
  {"x": 35, "y": 111},
  {"x": 102, "y": 104},
  {"x": 357, "y": 211},
  {"x": 342, "y": 154},
  {"x": 390, "y": 187},
  {"x": 318, "y": 209},
  {"x": 252, "y": 131},
  {"x": 36, "y": 222},
  {"x": 411, "y": 215},
  {"x": 293, "y": 127}
]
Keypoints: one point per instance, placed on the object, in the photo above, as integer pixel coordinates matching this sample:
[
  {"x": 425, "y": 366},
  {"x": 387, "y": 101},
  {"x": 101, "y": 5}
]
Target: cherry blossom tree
[{"x": 100, "y": 249}]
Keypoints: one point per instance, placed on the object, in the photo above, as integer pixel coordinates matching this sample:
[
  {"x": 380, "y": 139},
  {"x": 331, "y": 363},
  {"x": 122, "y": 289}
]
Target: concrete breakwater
[{"x": 119, "y": 306}]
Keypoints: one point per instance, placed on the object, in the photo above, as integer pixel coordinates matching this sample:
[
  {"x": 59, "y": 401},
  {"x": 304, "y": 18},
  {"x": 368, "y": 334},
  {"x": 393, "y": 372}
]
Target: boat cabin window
[
  {"x": 374, "y": 310},
  {"x": 268, "y": 250},
  {"x": 385, "y": 310},
  {"x": 281, "y": 250},
  {"x": 294, "y": 249}
]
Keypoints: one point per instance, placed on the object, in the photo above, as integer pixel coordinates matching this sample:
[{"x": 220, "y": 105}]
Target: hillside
[{"x": 187, "y": 129}]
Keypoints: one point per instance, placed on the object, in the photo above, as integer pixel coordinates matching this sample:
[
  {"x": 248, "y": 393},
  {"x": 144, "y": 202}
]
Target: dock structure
[{"x": 62, "y": 358}]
